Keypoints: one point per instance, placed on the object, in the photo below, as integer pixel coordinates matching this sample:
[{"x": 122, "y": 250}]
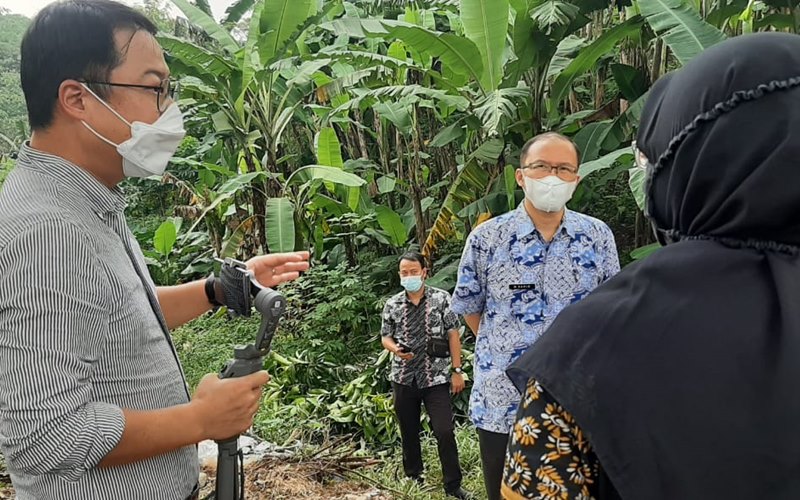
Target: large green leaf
[
  {"x": 498, "y": 108},
  {"x": 251, "y": 60},
  {"x": 280, "y": 225},
  {"x": 204, "y": 6},
  {"x": 165, "y": 237},
  {"x": 207, "y": 23},
  {"x": 681, "y": 26},
  {"x": 458, "y": 54},
  {"x": 279, "y": 20},
  {"x": 397, "y": 113},
  {"x": 447, "y": 135},
  {"x": 325, "y": 173},
  {"x": 590, "y": 139},
  {"x": 194, "y": 56},
  {"x": 329, "y": 150},
  {"x": 636, "y": 176},
  {"x": 386, "y": 184},
  {"x": 587, "y": 58},
  {"x": 551, "y": 13},
  {"x": 237, "y": 9},
  {"x": 486, "y": 23},
  {"x": 607, "y": 161},
  {"x": 632, "y": 82},
  {"x": 489, "y": 151},
  {"x": 566, "y": 50},
  {"x": 392, "y": 224}
]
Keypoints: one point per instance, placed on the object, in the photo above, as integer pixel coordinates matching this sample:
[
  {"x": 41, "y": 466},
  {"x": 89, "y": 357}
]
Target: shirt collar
[
  {"x": 425, "y": 294},
  {"x": 525, "y": 227},
  {"x": 102, "y": 199}
]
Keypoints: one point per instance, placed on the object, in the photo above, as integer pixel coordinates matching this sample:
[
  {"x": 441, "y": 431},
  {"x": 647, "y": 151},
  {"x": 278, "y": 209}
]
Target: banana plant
[{"x": 249, "y": 106}]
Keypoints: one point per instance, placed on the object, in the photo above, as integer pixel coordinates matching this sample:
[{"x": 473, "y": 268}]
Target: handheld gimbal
[{"x": 242, "y": 292}]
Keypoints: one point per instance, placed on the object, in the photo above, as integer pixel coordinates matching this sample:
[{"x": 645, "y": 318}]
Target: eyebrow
[
  {"x": 534, "y": 162},
  {"x": 157, "y": 72}
]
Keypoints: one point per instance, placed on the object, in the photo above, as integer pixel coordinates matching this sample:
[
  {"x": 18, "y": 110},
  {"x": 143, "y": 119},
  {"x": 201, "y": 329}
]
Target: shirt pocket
[{"x": 527, "y": 306}]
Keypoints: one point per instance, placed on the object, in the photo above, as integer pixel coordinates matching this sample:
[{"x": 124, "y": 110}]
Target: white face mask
[
  {"x": 151, "y": 146},
  {"x": 549, "y": 194}
]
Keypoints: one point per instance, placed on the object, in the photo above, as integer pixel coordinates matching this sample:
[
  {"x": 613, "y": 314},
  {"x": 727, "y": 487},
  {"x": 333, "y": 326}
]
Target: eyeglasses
[
  {"x": 541, "y": 169},
  {"x": 166, "y": 93}
]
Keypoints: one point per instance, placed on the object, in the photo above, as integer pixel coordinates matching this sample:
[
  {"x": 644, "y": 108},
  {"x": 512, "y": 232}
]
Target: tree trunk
[
  {"x": 655, "y": 70},
  {"x": 258, "y": 189},
  {"x": 362, "y": 141},
  {"x": 415, "y": 178}
]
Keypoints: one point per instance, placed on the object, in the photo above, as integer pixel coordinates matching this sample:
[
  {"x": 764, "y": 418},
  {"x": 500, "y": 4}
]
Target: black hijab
[{"x": 684, "y": 369}]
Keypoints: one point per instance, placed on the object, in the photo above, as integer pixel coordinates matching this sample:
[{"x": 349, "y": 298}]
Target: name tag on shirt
[{"x": 522, "y": 286}]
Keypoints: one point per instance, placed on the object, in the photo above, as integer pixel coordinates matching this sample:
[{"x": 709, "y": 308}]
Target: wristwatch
[{"x": 458, "y": 370}]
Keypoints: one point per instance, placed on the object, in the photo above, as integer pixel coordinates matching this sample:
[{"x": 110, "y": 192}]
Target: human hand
[
  {"x": 273, "y": 269},
  {"x": 225, "y": 407},
  {"x": 457, "y": 383}
]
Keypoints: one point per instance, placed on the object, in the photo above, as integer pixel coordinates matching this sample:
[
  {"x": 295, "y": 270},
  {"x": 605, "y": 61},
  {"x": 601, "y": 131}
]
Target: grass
[
  {"x": 206, "y": 343},
  {"x": 391, "y": 477}
]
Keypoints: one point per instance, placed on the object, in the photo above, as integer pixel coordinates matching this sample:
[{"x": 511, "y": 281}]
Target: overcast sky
[{"x": 31, "y": 7}]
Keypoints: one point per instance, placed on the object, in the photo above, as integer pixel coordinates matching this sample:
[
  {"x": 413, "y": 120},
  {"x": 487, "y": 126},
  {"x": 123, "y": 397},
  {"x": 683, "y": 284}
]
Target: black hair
[
  {"x": 414, "y": 257},
  {"x": 545, "y": 136},
  {"x": 72, "y": 39}
]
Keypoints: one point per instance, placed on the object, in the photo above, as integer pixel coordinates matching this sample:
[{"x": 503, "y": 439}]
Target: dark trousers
[
  {"x": 408, "y": 404},
  {"x": 493, "y": 455}
]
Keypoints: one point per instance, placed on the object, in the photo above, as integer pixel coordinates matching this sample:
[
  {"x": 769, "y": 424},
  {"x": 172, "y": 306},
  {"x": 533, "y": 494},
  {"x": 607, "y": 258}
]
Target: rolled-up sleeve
[
  {"x": 387, "y": 322},
  {"x": 54, "y": 320},
  {"x": 469, "y": 296}
]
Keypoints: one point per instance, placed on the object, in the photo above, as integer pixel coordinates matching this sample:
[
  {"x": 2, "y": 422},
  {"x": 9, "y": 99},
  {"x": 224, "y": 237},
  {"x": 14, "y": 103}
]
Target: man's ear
[
  {"x": 72, "y": 96},
  {"x": 520, "y": 178}
]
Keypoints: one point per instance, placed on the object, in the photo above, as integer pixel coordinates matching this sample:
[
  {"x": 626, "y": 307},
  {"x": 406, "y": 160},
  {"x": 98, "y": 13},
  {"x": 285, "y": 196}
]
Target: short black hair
[
  {"x": 72, "y": 39},
  {"x": 414, "y": 257},
  {"x": 545, "y": 136}
]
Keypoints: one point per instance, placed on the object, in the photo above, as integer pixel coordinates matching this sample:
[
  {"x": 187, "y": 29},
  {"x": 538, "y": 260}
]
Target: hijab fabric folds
[{"x": 684, "y": 369}]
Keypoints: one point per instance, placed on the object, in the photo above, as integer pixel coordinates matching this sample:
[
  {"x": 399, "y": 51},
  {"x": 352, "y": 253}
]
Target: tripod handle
[{"x": 241, "y": 367}]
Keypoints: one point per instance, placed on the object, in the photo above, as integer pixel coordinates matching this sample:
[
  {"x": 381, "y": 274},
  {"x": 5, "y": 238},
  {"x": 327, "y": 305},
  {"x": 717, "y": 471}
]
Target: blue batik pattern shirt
[{"x": 519, "y": 283}]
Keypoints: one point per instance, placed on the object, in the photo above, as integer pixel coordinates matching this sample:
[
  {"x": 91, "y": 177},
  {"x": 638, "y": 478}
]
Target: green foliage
[
  {"x": 391, "y": 474},
  {"x": 13, "y": 113},
  {"x": 6, "y": 164},
  {"x": 326, "y": 293}
]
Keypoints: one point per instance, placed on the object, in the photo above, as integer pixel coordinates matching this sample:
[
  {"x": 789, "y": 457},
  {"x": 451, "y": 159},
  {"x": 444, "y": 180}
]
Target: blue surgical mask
[{"x": 411, "y": 283}]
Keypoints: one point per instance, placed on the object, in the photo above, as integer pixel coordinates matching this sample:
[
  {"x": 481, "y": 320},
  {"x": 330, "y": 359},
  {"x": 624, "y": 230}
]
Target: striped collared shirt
[{"x": 81, "y": 337}]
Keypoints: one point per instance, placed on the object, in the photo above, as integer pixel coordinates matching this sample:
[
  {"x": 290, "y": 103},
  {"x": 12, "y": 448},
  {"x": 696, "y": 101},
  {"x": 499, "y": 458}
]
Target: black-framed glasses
[
  {"x": 539, "y": 170},
  {"x": 166, "y": 92}
]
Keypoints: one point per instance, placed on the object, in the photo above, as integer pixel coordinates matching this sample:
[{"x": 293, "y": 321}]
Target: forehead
[
  {"x": 410, "y": 264},
  {"x": 141, "y": 55},
  {"x": 552, "y": 150}
]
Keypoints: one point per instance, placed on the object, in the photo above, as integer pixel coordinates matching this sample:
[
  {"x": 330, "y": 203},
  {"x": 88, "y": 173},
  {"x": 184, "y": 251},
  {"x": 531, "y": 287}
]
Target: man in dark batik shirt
[{"x": 415, "y": 322}]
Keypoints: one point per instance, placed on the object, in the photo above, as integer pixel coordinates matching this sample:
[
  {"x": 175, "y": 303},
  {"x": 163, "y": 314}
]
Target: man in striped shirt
[{"x": 93, "y": 402}]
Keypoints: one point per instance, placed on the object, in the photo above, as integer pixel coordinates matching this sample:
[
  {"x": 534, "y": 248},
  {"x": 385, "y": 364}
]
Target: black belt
[{"x": 195, "y": 494}]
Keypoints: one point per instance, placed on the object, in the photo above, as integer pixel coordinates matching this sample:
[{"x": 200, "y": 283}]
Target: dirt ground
[
  {"x": 274, "y": 480},
  {"x": 279, "y": 480}
]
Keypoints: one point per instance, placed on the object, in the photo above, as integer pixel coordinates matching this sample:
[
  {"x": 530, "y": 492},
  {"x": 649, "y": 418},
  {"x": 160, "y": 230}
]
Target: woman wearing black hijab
[{"x": 683, "y": 371}]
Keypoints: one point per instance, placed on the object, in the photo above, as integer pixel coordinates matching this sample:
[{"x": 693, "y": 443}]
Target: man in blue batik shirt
[{"x": 517, "y": 272}]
